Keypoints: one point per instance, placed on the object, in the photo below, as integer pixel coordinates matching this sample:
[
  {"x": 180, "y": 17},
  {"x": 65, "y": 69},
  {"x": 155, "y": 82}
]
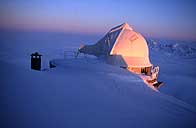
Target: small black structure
[
  {"x": 36, "y": 61},
  {"x": 52, "y": 65}
]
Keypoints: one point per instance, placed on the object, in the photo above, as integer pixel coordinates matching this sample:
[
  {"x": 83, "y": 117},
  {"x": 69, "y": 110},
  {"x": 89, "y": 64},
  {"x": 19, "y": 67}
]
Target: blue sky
[{"x": 174, "y": 19}]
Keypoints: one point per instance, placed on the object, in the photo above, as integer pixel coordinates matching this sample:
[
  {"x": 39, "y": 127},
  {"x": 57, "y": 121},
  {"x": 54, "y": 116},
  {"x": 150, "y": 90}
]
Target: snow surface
[
  {"x": 87, "y": 92},
  {"x": 177, "y": 62}
]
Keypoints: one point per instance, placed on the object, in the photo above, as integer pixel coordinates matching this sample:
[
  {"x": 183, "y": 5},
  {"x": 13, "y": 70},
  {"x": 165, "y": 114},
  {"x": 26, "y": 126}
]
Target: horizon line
[{"x": 6, "y": 29}]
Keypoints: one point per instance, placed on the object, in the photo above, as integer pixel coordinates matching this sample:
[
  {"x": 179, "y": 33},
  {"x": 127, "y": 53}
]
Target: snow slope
[
  {"x": 177, "y": 62},
  {"x": 83, "y": 92}
]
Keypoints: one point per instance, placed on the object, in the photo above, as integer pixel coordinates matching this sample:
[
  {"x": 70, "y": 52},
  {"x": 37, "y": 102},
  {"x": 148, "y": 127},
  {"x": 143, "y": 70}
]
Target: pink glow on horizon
[
  {"x": 73, "y": 26},
  {"x": 50, "y": 26}
]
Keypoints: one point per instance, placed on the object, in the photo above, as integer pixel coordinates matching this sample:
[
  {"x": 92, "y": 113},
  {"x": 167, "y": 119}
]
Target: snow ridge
[{"x": 184, "y": 49}]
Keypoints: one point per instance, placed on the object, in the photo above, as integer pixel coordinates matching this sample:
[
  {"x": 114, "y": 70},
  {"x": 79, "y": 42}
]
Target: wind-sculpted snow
[
  {"x": 184, "y": 49},
  {"x": 87, "y": 92},
  {"x": 177, "y": 62}
]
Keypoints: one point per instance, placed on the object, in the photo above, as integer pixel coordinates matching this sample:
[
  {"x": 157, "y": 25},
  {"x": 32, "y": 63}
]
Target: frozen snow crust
[{"x": 87, "y": 92}]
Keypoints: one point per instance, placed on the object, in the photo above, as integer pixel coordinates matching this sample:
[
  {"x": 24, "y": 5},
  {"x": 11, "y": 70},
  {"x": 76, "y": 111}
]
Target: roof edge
[{"x": 124, "y": 26}]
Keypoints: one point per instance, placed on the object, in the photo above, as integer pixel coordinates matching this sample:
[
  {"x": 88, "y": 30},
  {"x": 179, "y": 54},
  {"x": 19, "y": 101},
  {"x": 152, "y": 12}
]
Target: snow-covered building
[{"x": 124, "y": 47}]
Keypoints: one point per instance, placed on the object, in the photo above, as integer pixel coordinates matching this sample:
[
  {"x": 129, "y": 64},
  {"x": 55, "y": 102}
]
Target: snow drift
[{"x": 86, "y": 92}]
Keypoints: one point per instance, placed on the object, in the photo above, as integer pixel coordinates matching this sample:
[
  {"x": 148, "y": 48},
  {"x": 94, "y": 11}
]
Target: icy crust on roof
[
  {"x": 103, "y": 46},
  {"x": 122, "y": 41},
  {"x": 124, "y": 25}
]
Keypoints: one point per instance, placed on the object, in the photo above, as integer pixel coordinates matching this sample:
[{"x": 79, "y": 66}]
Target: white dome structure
[
  {"x": 124, "y": 47},
  {"x": 132, "y": 47}
]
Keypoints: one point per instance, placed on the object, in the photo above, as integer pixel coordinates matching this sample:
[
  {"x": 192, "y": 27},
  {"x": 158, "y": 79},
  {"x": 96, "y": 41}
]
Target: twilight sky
[{"x": 173, "y": 19}]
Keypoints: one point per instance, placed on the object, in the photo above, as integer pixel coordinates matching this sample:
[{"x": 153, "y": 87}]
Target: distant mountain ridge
[{"x": 186, "y": 49}]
